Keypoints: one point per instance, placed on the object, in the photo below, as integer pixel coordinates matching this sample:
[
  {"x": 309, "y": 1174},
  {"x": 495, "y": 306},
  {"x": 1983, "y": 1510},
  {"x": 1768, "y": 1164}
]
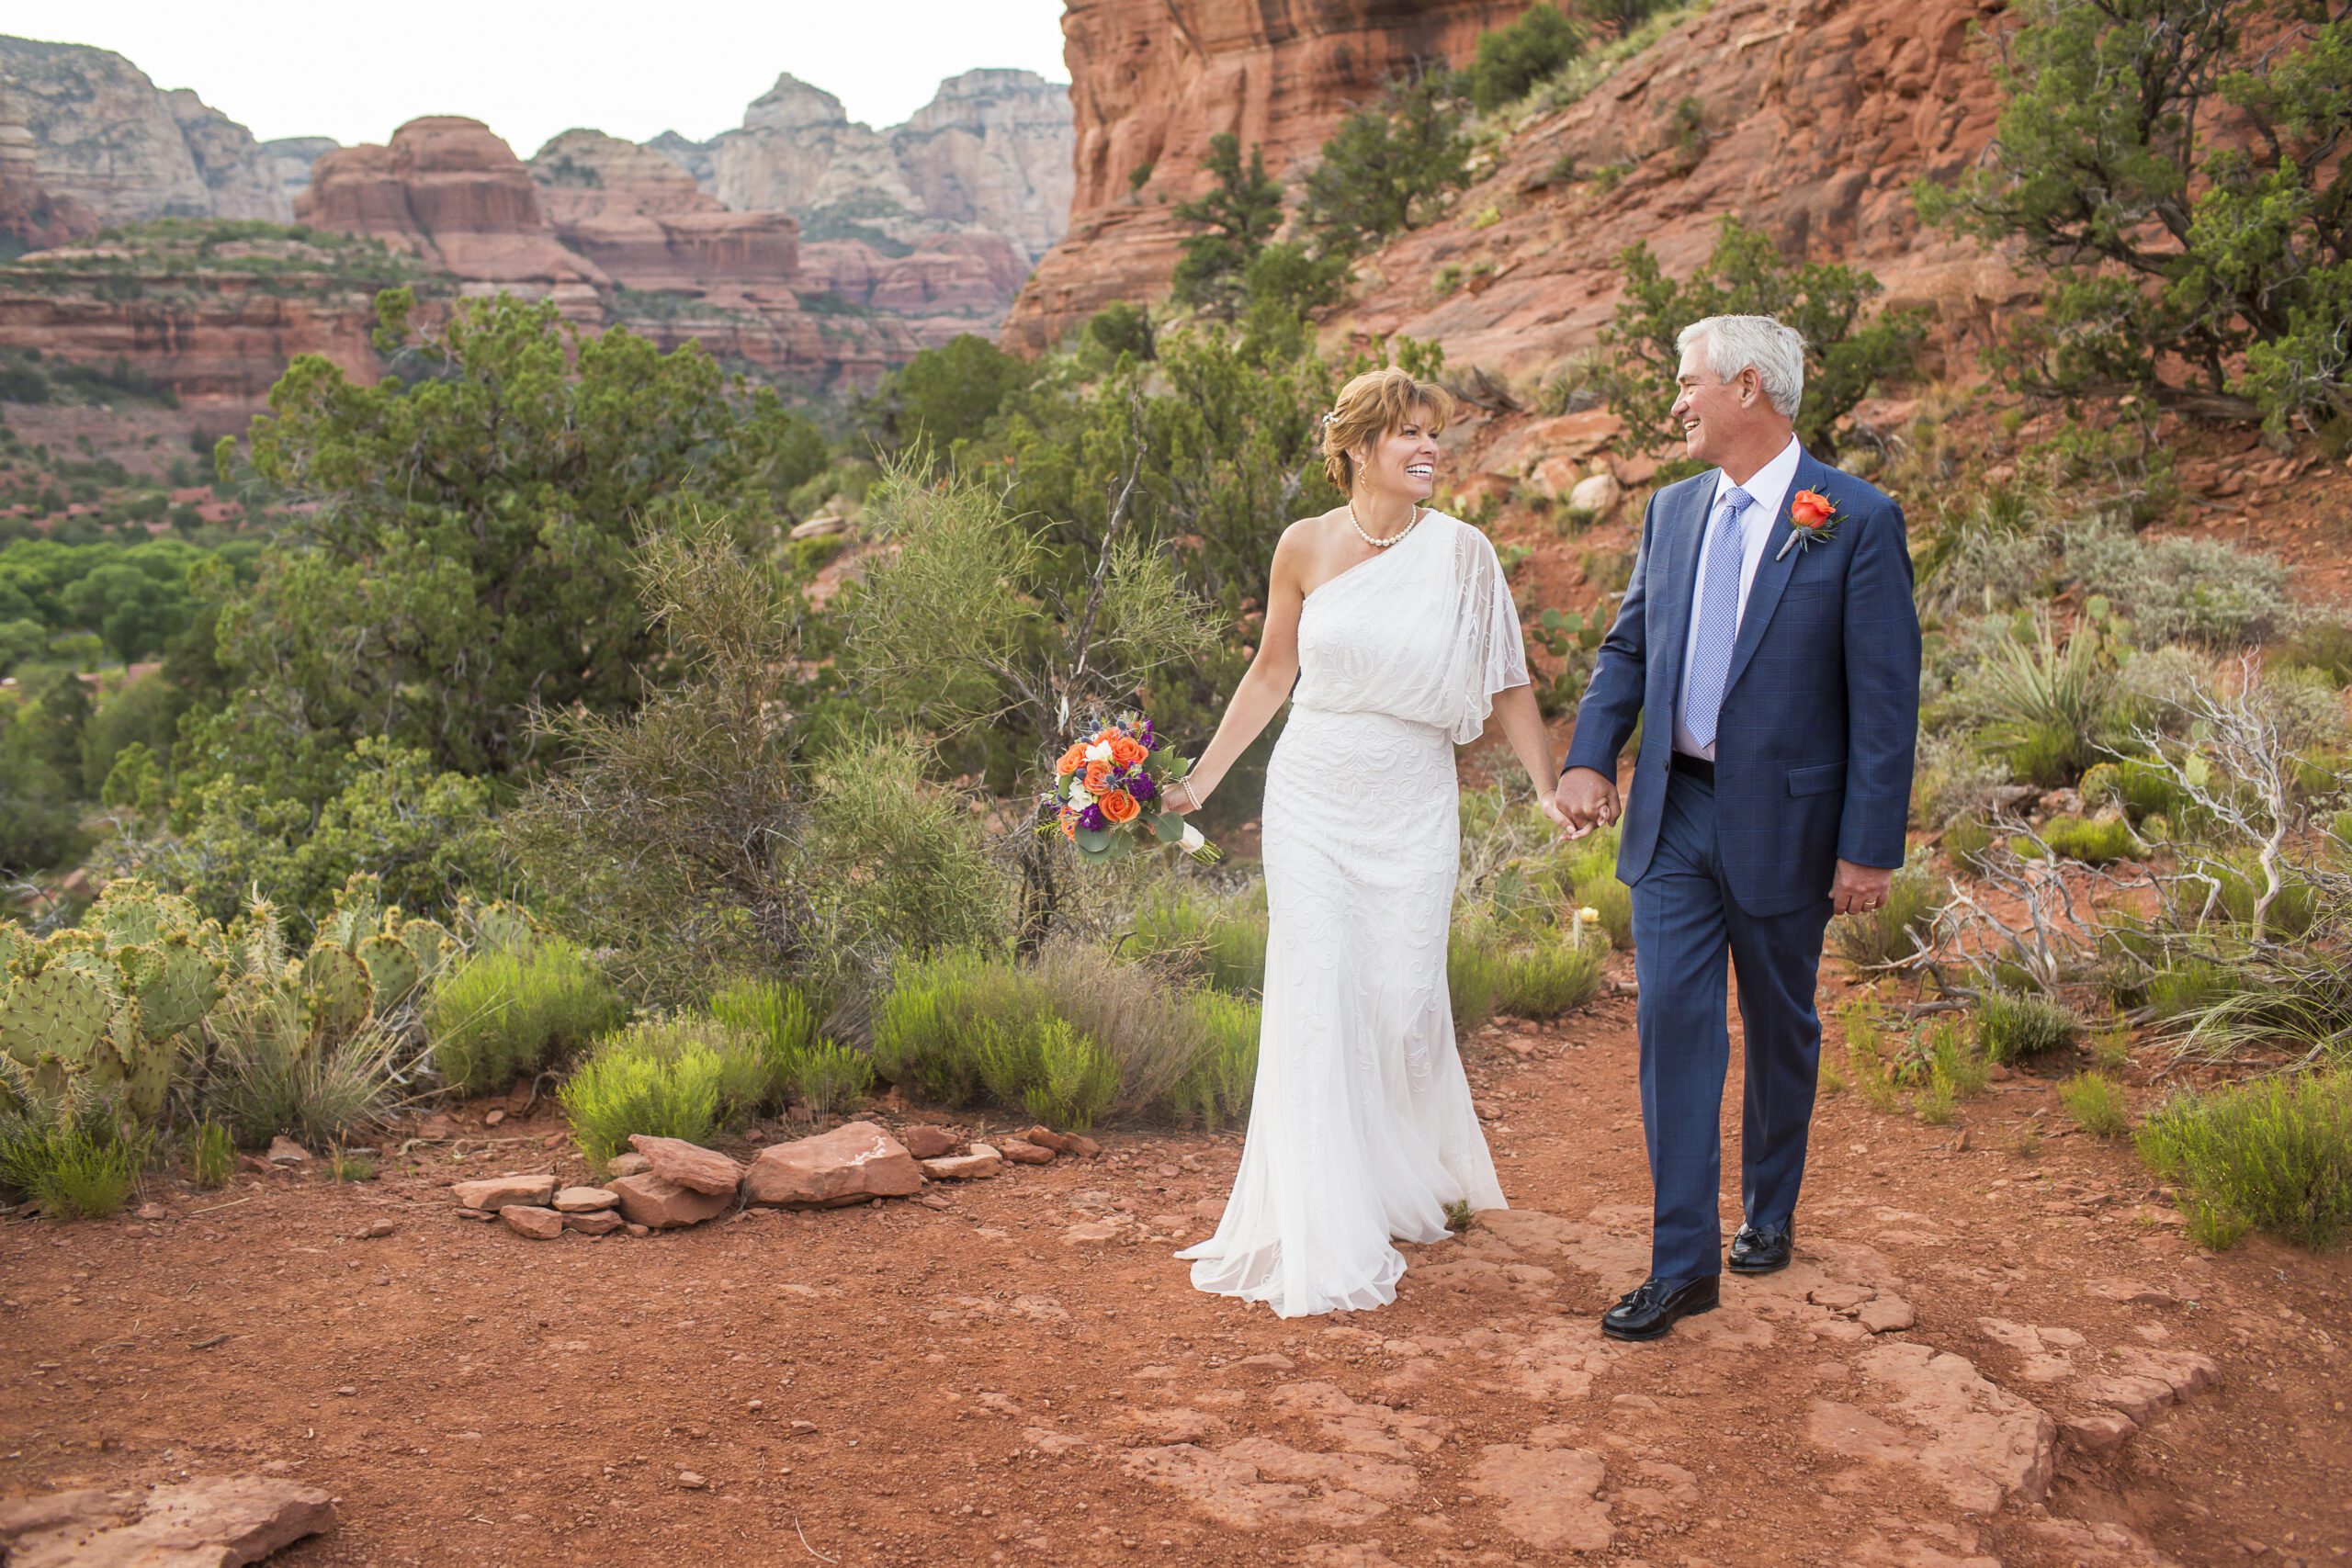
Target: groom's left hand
[{"x": 1859, "y": 889}]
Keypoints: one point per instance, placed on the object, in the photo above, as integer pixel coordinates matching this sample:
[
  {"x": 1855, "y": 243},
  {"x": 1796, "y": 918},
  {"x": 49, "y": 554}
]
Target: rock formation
[
  {"x": 294, "y": 155},
  {"x": 643, "y": 220},
  {"x": 449, "y": 192},
  {"x": 104, "y": 137},
  {"x": 32, "y": 218},
  {"x": 990, "y": 151},
  {"x": 1152, "y": 83},
  {"x": 1819, "y": 117}
]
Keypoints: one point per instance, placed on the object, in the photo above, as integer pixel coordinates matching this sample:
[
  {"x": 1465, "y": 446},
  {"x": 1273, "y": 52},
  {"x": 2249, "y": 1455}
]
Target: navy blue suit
[{"x": 1813, "y": 750}]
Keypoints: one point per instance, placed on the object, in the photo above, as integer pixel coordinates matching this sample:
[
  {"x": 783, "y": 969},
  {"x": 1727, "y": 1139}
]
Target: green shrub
[
  {"x": 78, "y": 1158},
  {"x": 211, "y": 1153},
  {"x": 346, "y": 1166},
  {"x": 2323, "y": 645},
  {"x": 1219, "y": 941},
  {"x": 832, "y": 1077},
  {"x": 2141, "y": 788},
  {"x": 1076, "y": 1080},
  {"x": 2011, "y": 1027},
  {"x": 1476, "y": 965},
  {"x": 2096, "y": 1104},
  {"x": 1216, "y": 1088},
  {"x": 1885, "y": 935},
  {"x": 2087, "y": 839},
  {"x": 1513, "y": 59},
  {"x": 2276, "y": 1154},
  {"x": 268, "y": 1077},
  {"x": 1551, "y": 978},
  {"x": 1867, "y": 1070},
  {"x": 1968, "y": 841},
  {"x": 2177, "y": 590},
  {"x": 504, "y": 1013},
  {"x": 663, "y": 1077},
  {"x": 925, "y": 1023},
  {"x": 2047, "y": 706},
  {"x": 780, "y": 1026}
]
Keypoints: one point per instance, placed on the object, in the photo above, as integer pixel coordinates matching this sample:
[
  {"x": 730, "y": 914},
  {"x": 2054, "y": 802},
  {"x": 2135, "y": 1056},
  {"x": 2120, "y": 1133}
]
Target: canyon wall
[
  {"x": 1152, "y": 80},
  {"x": 107, "y": 139}
]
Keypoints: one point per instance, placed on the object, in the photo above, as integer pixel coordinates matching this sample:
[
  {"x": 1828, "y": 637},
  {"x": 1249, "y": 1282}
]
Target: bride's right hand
[{"x": 1180, "y": 799}]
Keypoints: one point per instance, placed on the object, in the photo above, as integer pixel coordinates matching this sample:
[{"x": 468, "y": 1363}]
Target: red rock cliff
[{"x": 1151, "y": 81}]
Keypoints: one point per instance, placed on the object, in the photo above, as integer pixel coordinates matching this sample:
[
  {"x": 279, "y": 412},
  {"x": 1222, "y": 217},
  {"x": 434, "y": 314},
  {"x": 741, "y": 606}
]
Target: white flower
[
  {"x": 1079, "y": 797},
  {"x": 1098, "y": 752}
]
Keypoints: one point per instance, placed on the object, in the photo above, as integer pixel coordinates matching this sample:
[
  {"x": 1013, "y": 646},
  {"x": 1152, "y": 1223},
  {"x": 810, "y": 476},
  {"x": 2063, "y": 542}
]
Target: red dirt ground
[{"x": 987, "y": 1387}]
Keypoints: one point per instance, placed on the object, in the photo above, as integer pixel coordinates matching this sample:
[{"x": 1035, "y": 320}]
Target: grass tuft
[{"x": 2275, "y": 1154}]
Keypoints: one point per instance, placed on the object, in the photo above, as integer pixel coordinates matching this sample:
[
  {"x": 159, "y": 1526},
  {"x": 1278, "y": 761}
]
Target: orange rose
[
  {"x": 1119, "y": 806},
  {"x": 1072, "y": 760},
  {"x": 1810, "y": 508},
  {"x": 1126, "y": 753},
  {"x": 1070, "y": 824},
  {"x": 1098, "y": 777}
]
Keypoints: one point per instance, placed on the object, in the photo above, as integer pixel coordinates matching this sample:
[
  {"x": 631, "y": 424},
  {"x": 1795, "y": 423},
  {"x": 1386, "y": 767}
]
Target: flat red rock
[
  {"x": 689, "y": 1165},
  {"x": 494, "y": 1192},
  {"x": 854, "y": 1162},
  {"x": 649, "y": 1200},
  {"x": 530, "y": 1220},
  {"x": 926, "y": 1142}
]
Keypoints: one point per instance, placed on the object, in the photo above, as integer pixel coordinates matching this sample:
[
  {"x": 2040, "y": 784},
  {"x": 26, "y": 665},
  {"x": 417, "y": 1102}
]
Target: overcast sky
[{"x": 355, "y": 71}]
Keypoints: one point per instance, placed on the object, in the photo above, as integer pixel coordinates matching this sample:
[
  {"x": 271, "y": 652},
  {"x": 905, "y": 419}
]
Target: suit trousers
[{"x": 1686, "y": 924}]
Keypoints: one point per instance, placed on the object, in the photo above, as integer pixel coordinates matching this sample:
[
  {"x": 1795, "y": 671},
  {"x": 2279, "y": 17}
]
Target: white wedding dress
[{"x": 1362, "y": 1128}]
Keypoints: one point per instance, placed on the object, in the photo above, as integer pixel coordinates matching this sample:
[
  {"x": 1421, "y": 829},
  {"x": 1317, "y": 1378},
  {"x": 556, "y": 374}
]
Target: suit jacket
[{"x": 1820, "y": 717}]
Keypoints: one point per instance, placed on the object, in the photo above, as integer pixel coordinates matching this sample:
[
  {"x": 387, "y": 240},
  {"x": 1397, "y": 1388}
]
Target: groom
[{"x": 1768, "y": 647}]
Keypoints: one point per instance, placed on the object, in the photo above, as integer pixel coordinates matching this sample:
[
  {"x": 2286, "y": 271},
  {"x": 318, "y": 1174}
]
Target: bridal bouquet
[{"x": 1106, "y": 794}]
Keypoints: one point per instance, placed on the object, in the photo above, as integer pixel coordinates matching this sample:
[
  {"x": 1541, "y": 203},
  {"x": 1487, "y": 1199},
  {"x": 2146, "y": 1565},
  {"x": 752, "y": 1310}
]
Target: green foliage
[
  {"x": 2323, "y": 645},
  {"x": 2013, "y": 1026},
  {"x": 1237, "y": 216},
  {"x": 1063, "y": 1078},
  {"x": 1477, "y": 969},
  {"x": 2275, "y": 1154},
  {"x": 78, "y": 1158},
  {"x": 2097, "y": 1104},
  {"x": 346, "y": 1165},
  {"x": 942, "y": 395},
  {"x": 832, "y": 1077},
  {"x": 504, "y": 1012},
  {"x": 211, "y": 1153},
  {"x": 1895, "y": 931},
  {"x": 1845, "y": 355},
  {"x": 2049, "y": 706},
  {"x": 1513, "y": 59},
  {"x": 2091, "y": 842},
  {"x": 1219, "y": 941},
  {"x": 661, "y": 1079},
  {"x": 271, "y": 1074},
  {"x": 1388, "y": 165},
  {"x": 2206, "y": 264},
  {"x": 2175, "y": 589},
  {"x": 1216, "y": 1088},
  {"x": 460, "y": 543},
  {"x": 1546, "y": 980},
  {"x": 424, "y": 834}
]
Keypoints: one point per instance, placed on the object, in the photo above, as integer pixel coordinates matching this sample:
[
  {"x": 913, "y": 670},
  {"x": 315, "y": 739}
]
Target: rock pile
[{"x": 667, "y": 1183}]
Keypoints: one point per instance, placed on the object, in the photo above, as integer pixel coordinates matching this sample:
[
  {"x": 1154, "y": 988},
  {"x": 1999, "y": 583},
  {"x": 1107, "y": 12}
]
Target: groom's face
[{"x": 1710, "y": 410}]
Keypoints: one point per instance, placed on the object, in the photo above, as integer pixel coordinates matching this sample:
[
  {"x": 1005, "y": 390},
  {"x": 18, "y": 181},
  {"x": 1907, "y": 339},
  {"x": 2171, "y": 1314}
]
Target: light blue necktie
[{"x": 1702, "y": 683}]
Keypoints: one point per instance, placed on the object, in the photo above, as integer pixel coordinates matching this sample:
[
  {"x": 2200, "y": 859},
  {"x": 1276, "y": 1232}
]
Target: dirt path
[{"x": 1936, "y": 1381}]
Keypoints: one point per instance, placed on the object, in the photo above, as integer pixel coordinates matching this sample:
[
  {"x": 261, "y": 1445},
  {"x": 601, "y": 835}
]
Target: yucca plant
[{"x": 2049, "y": 705}]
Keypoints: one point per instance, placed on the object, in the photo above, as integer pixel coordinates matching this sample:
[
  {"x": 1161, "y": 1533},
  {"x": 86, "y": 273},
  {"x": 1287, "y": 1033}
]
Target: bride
[{"x": 1398, "y": 630}]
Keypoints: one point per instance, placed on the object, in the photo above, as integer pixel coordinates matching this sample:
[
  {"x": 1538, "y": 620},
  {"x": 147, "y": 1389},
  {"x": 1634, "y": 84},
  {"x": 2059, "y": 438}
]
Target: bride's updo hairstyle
[{"x": 1374, "y": 404}]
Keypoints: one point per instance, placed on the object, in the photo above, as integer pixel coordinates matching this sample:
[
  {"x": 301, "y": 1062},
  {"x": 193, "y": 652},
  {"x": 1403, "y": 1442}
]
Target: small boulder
[
  {"x": 657, "y": 1204},
  {"x": 926, "y": 1142},
  {"x": 1597, "y": 493},
  {"x": 854, "y": 1162},
  {"x": 689, "y": 1165},
  {"x": 1045, "y": 1137},
  {"x": 530, "y": 1220},
  {"x": 1084, "y": 1147},
  {"x": 1885, "y": 1314},
  {"x": 285, "y": 1151},
  {"x": 1020, "y": 1151},
  {"x": 584, "y": 1200},
  {"x": 494, "y": 1192},
  {"x": 631, "y": 1164},
  {"x": 375, "y": 1230},
  {"x": 981, "y": 1160},
  {"x": 600, "y": 1222}
]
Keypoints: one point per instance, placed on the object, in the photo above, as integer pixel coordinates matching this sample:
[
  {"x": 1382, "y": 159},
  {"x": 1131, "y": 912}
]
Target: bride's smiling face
[{"x": 1404, "y": 461}]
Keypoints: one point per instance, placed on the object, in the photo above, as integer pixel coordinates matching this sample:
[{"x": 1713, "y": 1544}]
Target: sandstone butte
[{"x": 1818, "y": 116}]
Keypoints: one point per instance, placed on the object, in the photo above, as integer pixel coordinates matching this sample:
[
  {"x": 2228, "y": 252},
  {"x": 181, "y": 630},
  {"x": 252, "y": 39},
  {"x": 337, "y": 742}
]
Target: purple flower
[
  {"x": 1142, "y": 788},
  {"x": 1092, "y": 818}
]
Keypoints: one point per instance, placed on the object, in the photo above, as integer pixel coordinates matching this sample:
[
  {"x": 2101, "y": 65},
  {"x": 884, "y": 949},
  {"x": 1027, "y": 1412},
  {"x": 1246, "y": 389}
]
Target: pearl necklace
[{"x": 1418, "y": 513}]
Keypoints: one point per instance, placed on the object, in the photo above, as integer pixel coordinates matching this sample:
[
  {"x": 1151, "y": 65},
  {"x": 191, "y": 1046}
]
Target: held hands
[
  {"x": 1582, "y": 802},
  {"x": 1859, "y": 889}
]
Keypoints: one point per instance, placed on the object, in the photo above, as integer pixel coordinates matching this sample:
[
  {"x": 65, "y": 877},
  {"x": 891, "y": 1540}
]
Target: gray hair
[{"x": 1739, "y": 342}]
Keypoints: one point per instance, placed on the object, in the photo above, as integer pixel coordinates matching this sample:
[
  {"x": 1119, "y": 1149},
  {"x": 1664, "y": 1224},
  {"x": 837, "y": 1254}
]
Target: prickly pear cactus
[
  {"x": 53, "y": 1021},
  {"x": 356, "y": 909},
  {"x": 431, "y": 944},
  {"x": 131, "y": 910},
  {"x": 392, "y": 970},
  {"x": 502, "y": 925},
  {"x": 174, "y": 980},
  {"x": 335, "y": 991},
  {"x": 13, "y": 940}
]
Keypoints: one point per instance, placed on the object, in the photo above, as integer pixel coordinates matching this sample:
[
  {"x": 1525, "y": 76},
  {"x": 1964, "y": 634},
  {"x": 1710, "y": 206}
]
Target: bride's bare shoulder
[{"x": 1303, "y": 544}]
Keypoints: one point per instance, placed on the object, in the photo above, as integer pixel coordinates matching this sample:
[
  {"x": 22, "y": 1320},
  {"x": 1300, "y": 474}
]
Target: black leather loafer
[
  {"x": 1764, "y": 1251},
  {"x": 1649, "y": 1310}
]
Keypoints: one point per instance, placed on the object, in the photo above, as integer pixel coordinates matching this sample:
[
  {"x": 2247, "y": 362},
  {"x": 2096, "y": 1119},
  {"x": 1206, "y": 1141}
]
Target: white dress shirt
[{"x": 1767, "y": 497}]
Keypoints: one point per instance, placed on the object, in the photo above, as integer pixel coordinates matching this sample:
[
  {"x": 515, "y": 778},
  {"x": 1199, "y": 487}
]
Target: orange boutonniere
[{"x": 1813, "y": 519}]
